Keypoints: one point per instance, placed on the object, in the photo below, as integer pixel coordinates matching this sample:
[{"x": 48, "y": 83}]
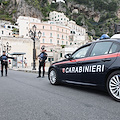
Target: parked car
[{"x": 94, "y": 64}]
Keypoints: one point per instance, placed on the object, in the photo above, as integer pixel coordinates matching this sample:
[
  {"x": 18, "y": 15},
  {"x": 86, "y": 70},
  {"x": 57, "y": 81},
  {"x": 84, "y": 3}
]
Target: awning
[{"x": 17, "y": 53}]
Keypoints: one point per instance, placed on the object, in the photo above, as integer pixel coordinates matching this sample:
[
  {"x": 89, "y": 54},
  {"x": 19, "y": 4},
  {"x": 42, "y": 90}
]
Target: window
[
  {"x": 43, "y": 34},
  {"x": 57, "y": 35},
  {"x": 66, "y": 37},
  {"x": 101, "y": 48},
  {"x": 113, "y": 49},
  {"x": 43, "y": 40},
  {"x": 43, "y": 27},
  {"x": 26, "y": 34},
  {"x": 66, "y": 43},
  {"x": 51, "y": 27},
  {"x": 50, "y": 59},
  {"x": 50, "y": 40},
  {"x": 62, "y": 37},
  {"x": 9, "y": 33},
  {"x": 58, "y": 42},
  {"x": 9, "y": 27},
  {"x": 62, "y": 30},
  {"x": 58, "y": 29},
  {"x": 81, "y": 52},
  {"x": 2, "y": 32},
  {"x": 50, "y": 34},
  {"x": 60, "y": 54},
  {"x": 73, "y": 32},
  {"x": 62, "y": 42}
]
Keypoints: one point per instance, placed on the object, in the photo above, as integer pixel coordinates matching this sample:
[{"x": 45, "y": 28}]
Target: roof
[
  {"x": 107, "y": 40},
  {"x": 17, "y": 53},
  {"x": 116, "y": 36}
]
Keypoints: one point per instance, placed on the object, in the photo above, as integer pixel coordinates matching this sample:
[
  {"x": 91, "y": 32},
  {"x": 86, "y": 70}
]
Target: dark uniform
[
  {"x": 4, "y": 62},
  {"x": 42, "y": 58}
]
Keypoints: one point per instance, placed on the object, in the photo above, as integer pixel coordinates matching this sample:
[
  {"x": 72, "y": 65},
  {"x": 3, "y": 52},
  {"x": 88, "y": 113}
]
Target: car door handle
[{"x": 106, "y": 59}]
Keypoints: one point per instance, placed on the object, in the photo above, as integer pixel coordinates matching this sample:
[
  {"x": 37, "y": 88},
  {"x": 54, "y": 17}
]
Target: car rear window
[
  {"x": 101, "y": 48},
  {"x": 113, "y": 49}
]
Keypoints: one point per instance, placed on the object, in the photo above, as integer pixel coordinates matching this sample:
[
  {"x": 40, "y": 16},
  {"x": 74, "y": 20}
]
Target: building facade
[
  {"x": 52, "y": 33},
  {"x": 58, "y": 17},
  {"x": 78, "y": 34},
  {"x": 54, "y": 1},
  {"x": 5, "y": 32},
  {"x": 23, "y": 24},
  {"x": 19, "y": 45},
  {"x": 53, "y": 38}
]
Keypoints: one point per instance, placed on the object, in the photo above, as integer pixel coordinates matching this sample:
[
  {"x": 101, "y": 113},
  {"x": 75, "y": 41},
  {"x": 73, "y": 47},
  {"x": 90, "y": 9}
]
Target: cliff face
[
  {"x": 15, "y": 8},
  {"x": 98, "y": 16}
]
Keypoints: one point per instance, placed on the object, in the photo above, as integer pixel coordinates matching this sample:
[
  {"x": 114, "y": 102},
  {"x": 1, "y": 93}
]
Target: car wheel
[
  {"x": 53, "y": 77},
  {"x": 113, "y": 85}
]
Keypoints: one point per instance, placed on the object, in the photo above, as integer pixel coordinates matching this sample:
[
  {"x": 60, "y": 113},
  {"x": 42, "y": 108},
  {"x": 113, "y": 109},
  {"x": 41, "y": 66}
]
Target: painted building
[
  {"x": 52, "y": 33},
  {"x": 19, "y": 45},
  {"x": 53, "y": 36},
  {"x": 78, "y": 34},
  {"x": 58, "y": 17},
  {"x": 5, "y": 32},
  {"x": 23, "y": 24},
  {"x": 10, "y": 27},
  {"x": 54, "y": 1}
]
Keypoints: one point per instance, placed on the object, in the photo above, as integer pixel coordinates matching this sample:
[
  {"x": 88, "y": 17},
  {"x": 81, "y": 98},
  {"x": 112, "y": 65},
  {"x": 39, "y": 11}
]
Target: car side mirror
[{"x": 68, "y": 56}]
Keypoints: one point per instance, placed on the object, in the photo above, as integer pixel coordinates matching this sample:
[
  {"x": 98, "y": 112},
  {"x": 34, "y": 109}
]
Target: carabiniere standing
[
  {"x": 42, "y": 57},
  {"x": 4, "y": 62}
]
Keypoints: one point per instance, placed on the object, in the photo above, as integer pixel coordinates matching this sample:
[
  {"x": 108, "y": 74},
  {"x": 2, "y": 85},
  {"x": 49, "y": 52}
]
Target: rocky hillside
[{"x": 98, "y": 16}]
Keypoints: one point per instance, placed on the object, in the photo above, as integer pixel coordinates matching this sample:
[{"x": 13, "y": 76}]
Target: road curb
[{"x": 28, "y": 71}]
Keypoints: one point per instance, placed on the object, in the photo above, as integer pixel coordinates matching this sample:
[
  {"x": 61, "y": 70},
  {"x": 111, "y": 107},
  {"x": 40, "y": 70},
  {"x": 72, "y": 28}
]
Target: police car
[{"x": 94, "y": 64}]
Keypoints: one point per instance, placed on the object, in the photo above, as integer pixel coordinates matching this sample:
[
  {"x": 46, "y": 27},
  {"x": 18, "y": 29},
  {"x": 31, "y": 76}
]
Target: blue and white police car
[{"x": 94, "y": 64}]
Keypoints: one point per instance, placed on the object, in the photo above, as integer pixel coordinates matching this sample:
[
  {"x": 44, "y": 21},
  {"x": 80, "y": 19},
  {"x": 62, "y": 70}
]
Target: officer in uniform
[
  {"x": 4, "y": 62},
  {"x": 42, "y": 57}
]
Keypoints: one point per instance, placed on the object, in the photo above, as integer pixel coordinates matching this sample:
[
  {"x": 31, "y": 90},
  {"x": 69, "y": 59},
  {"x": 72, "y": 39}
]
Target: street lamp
[
  {"x": 7, "y": 47},
  {"x": 32, "y": 34}
]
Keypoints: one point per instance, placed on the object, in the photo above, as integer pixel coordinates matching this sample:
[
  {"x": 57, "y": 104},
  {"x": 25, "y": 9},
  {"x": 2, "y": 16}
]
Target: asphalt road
[{"x": 24, "y": 97}]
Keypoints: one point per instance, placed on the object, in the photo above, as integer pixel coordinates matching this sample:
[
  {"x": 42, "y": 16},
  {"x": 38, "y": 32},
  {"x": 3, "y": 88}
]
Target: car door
[
  {"x": 70, "y": 69},
  {"x": 100, "y": 59}
]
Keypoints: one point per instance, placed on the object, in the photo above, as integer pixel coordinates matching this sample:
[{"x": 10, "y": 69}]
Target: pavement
[{"x": 25, "y": 97}]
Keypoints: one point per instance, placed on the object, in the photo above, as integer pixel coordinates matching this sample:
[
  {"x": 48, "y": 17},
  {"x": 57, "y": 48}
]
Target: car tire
[
  {"x": 113, "y": 85},
  {"x": 53, "y": 77}
]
